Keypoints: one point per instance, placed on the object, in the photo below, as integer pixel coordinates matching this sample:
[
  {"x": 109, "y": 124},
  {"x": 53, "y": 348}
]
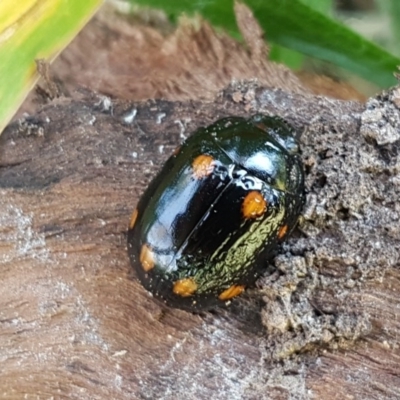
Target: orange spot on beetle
[
  {"x": 133, "y": 218},
  {"x": 203, "y": 166},
  {"x": 282, "y": 231},
  {"x": 147, "y": 258},
  {"x": 185, "y": 287},
  {"x": 254, "y": 205},
  {"x": 231, "y": 292}
]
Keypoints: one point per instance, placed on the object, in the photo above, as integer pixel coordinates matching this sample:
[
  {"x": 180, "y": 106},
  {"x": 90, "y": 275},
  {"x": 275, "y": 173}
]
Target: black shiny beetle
[{"x": 212, "y": 218}]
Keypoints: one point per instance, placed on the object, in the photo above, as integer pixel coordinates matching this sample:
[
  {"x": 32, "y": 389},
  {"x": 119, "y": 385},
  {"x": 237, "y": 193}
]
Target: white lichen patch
[{"x": 20, "y": 239}]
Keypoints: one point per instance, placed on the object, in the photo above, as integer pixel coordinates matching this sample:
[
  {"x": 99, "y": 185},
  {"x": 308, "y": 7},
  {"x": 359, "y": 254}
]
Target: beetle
[{"x": 214, "y": 215}]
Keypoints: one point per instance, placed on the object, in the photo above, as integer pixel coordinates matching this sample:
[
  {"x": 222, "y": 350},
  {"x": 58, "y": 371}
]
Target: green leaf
[
  {"x": 322, "y": 6},
  {"x": 292, "y": 24},
  {"x": 30, "y": 30},
  {"x": 392, "y": 10},
  {"x": 291, "y": 58}
]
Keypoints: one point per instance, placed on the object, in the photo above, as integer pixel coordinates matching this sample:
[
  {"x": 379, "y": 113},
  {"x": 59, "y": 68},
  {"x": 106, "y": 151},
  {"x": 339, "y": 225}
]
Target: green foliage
[
  {"x": 391, "y": 10},
  {"x": 304, "y": 26},
  {"x": 32, "y": 30}
]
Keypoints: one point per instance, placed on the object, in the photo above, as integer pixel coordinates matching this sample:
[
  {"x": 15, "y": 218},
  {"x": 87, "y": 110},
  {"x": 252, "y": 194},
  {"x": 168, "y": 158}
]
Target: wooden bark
[{"x": 76, "y": 324}]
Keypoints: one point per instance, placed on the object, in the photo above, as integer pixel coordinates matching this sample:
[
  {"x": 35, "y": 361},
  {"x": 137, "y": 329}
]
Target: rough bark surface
[
  {"x": 74, "y": 321},
  {"x": 73, "y": 313}
]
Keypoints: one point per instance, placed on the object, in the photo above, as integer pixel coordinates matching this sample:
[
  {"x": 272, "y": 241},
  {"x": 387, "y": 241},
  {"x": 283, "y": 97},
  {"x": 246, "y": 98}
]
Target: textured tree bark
[{"x": 75, "y": 323}]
